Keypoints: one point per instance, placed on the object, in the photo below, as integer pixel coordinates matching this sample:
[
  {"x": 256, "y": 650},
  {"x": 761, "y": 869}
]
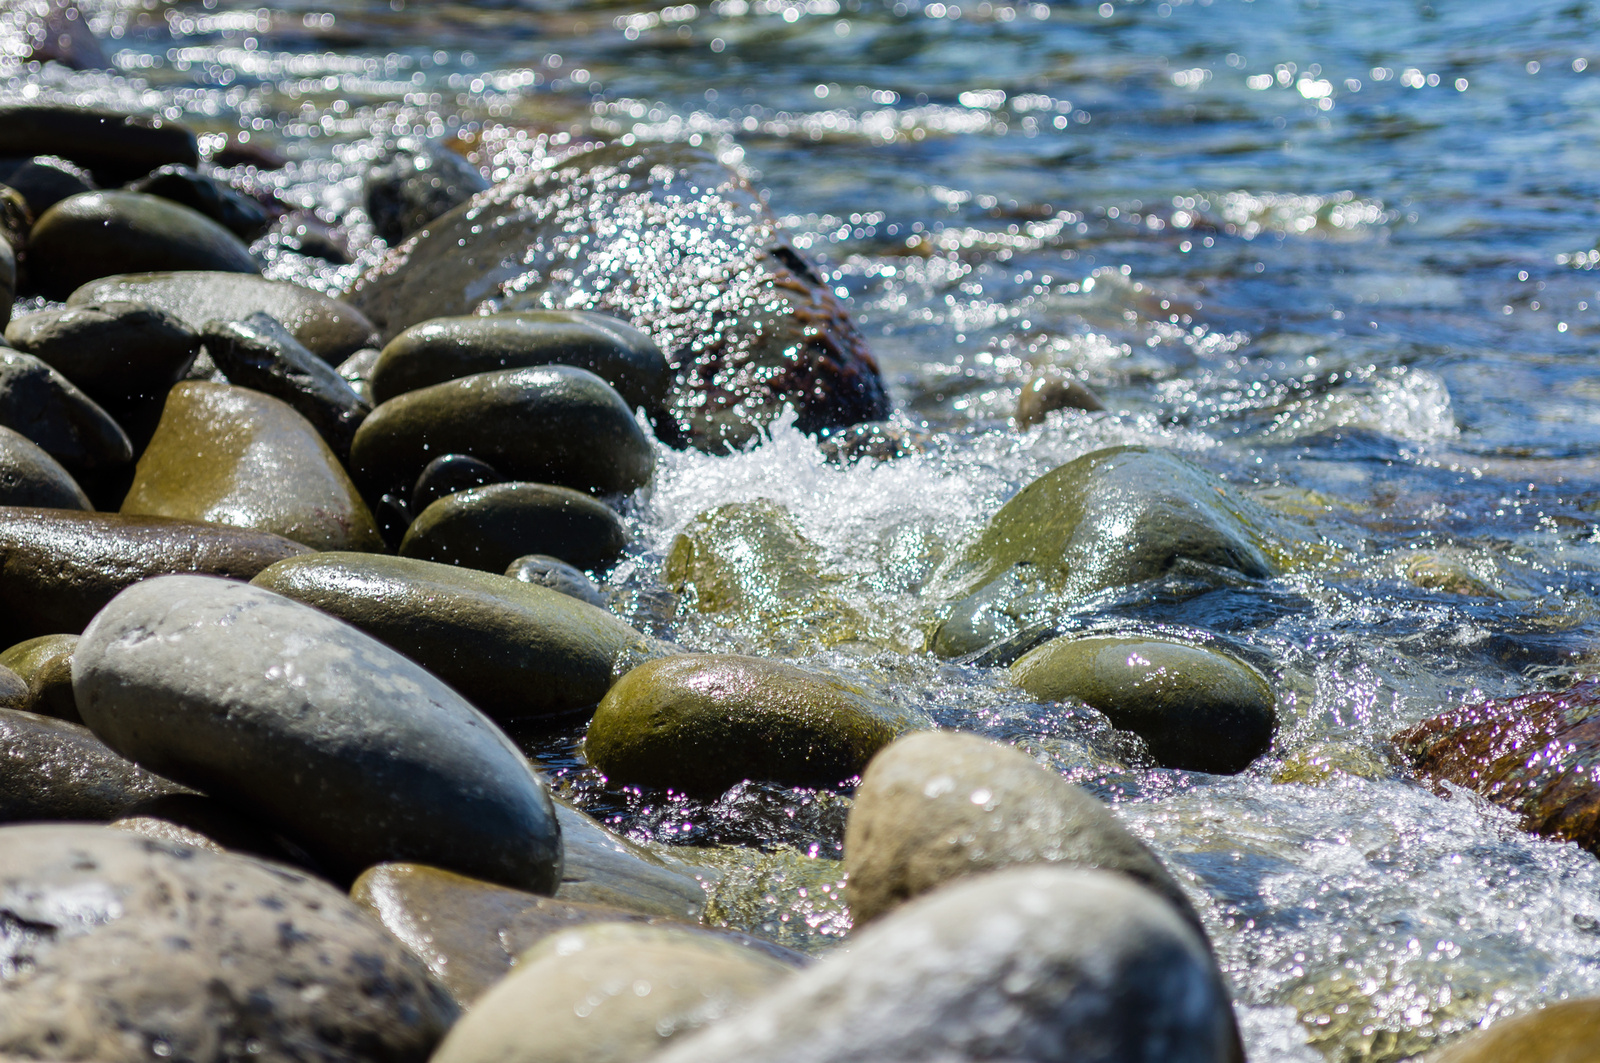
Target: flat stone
[
  {"x": 58, "y": 568},
  {"x": 127, "y": 943},
  {"x": 44, "y": 664},
  {"x": 490, "y": 527},
  {"x": 57, "y": 770},
  {"x": 1567, "y": 1031},
  {"x": 31, "y": 477},
  {"x": 453, "y": 347},
  {"x": 938, "y": 805},
  {"x": 542, "y": 570},
  {"x": 330, "y": 329},
  {"x": 609, "y": 993},
  {"x": 43, "y": 405},
  {"x": 550, "y": 424},
  {"x": 100, "y": 234},
  {"x": 117, "y": 147},
  {"x": 118, "y": 352},
  {"x": 511, "y": 648},
  {"x": 412, "y": 185},
  {"x": 217, "y": 200},
  {"x": 353, "y": 751},
  {"x": 701, "y": 723},
  {"x": 231, "y": 455},
  {"x": 1196, "y": 709},
  {"x": 748, "y": 325},
  {"x": 1043, "y": 963}
]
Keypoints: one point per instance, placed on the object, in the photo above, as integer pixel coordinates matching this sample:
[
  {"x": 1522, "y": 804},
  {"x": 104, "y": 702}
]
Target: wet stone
[
  {"x": 553, "y": 424},
  {"x": 45, "y": 665},
  {"x": 223, "y": 204},
  {"x": 133, "y": 942},
  {"x": 602, "y": 867},
  {"x": 1043, "y": 963},
  {"x": 31, "y": 477},
  {"x": 259, "y": 353},
  {"x": 746, "y": 322},
  {"x": 120, "y": 353},
  {"x": 58, "y": 770},
  {"x": 14, "y": 693},
  {"x": 16, "y": 219},
  {"x": 488, "y": 528},
  {"x": 937, "y": 805},
  {"x": 581, "y": 990},
  {"x": 351, "y": 750},
  {"x": 701, "y": 723},
  {"x": 449, "y": 473},
  {"x": 99, "y": 234},
  {"x": 305, "y": 234},
  {"x": 44, "y": 181},
  {"x": 412, "y": 185},
  {"x": 357, "y": 372},
  {"x": 230, "y": 455},
  {"x": 453, "y": 347},
  {"x": 1049, "y": 391},
  {"x": 1196, "y": 709},
  {"x": 511, "y": 648},
  {"x": 328, "y": 328},
  {"x": 541, "y": 570},
  {"x": 58, "y": 568},
  {"x": 206, "y": 823},
  {"x": 8, "y": 279},
  {"x": 116, "y": 147},
  {"x": 44, "y": 406},
  {"x": 1567, "y": 1031}
]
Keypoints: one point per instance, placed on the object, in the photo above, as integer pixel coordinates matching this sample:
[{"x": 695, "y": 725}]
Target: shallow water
[{"x": 1340, "y": 253}]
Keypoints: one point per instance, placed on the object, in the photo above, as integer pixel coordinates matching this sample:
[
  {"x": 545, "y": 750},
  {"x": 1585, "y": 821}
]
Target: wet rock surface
[
  {"x": 541, "y": 570},
  {"x": 41, "y": 404},
  {"x": 116, "y": 147},
  {"x": 123, "y": 354},
  {"x": 129, "y": 942},
  {"x": 448, "y": 474},
  {"x": 490, "y": 527},
  {"x": 1567, "y": 1031},
  {"x": 31, "y": 477},
  {"x": 206, "y": 823},
  {"x": 226, "y": 206},
  {"x": 45, "y": 665},
  {"x": 747, "y": 324},
  {"x": 412, "y": 185},
  {"x": 58, "y": 770},
  {"x": 44, "y": 181},
  {"x": 352, "y": 750}
]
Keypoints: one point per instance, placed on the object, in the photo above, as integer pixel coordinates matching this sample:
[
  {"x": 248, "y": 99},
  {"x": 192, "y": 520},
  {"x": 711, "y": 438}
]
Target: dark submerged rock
[
  {"x": 99, "y": 234},
  {"x": 223, "y": 204},
  {"x": 58, "y": 568},
  {"x": 44, "y": 181},
  {"x": 133, "y": 943},
  {"x": 449, "y": 473},
  {"x": 746, "y": 322},
  {"x": 41, "y": 404},
  {"x": 58, "y": 770},
  {"x": 411, "y": 186},
  {"x": 541, "y": 570},
  {"x": 116, "y": 147},
  {"x": 31, "y": 477},
  {"x": 490, "y": 527},
  {"x": 45, "y": 665},
  {"x": 349, "y": 748}
]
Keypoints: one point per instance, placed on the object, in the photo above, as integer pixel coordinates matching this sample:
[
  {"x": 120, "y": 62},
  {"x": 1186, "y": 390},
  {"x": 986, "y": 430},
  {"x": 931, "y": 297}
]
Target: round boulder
[
  {"x": 117, "y": 352},
  {"x": 490, "y": 527}
]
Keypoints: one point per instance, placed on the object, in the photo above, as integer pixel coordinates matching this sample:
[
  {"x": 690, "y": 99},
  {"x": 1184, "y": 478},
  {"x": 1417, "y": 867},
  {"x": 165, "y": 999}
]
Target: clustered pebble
[{"x": 275, "y": 568}]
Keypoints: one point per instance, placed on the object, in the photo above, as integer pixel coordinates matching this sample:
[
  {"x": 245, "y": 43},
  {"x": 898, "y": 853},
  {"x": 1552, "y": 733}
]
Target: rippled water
[{"x": 1340, "y": 252}]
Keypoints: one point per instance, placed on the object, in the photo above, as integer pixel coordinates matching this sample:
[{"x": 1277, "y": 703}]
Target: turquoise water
[{"x": 1340, "y": 253}]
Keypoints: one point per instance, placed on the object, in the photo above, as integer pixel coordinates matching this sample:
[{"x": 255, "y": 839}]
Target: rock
[
  {"x": 260, "y": 353},
  {"x": 8, "y": 280},
  {"x": 206, "y": 823},
  {"x": 14, "y": 693},
  {"x": 555, "y": 574},
  {"x": 121, "y": 353},
  {"x": 1567, "y": 1031},
  {"x": 1534, "y": 754},
  {"x": 323, "y": 732},
  {"x": 133, "y": 948},
  {"x": 490, "y": 527},
  {"x": 603, "y": 867},
  {"x": 701, "y": 723},
  {"x": 99, "y": 234},
  {"x": 938, "y": 805},
  {"x": 357, "y": 372},
  {"x": 1197, "y": 709},
  {"x": 58, "y": 770},
  {"x": 58, "y": 568},
  {"x": 747, "y": 324},
  {"x": 511, "y": 648},
  {"x": 116, "y": 147},
  {"x": 448, "y": 474},
  {"x": 31, "y": 477},
  {"x": 1042, "y": 963},
  {"x": 41, "y": 404},
  {"x": 453, "y": 347},
  {"x": 229, "y": 455},
  {"x": 1111, "y": 518},
  {"x": 217, "y": 200},
  {"x": 15, "y": 221},
  {"x": 58, "y": 31},
  {"x": 303, "y": 233},
  {"x": 44, "y": 181},
  {"x": 553, "y": 424},
  {"x": 45, "y": 665},
  {"x": 609, "y": 993},
  {"x": 1051, "y": 390},
  {"x": 411, "y": 186},
  {"x": 330, "y": 329}
]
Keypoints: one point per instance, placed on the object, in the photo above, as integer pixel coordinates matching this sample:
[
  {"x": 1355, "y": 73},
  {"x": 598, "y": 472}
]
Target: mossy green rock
[
  {"x": 1567, "y": 1031},
  {"x": 552, "y": 424},
  {"x": 938, "y": 805},
  {"x": 1196, "y": 709},
  {"x": 330, "y": 329},
  {"x": 43, "y": 405},
  {"x": 512, "y": 648},
  {"x": 1108, "y": 519},
  {"x": 701, "y": 723},
  {"x": 117, "y": 352},
  {"x": 231, "y": 455},
  {"x": 609, "y": 993},
  {"x": 31, "y": 477},
  {"x": 58, "y": 770},
  {"x": 99, "y": 234},
  {"x": 451, "y": 347},
  {"x": 490, "y": 527},
  {"x": 45, "y": 665}
]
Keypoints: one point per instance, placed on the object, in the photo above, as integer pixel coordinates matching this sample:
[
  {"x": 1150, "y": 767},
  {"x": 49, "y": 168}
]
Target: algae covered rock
[
  {"x": 231, "y": 455},
  {"x": 746, "y": 322},
  {"x": 490, "y": 527},
  {"x": 132, "y": 943},
  {"x": 701, "y": 723},
  {"x": 1196, "y": 708}
]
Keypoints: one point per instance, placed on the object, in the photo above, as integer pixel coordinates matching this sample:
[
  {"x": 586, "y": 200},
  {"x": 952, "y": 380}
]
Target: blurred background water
[{"x": 1342, "y": 253}]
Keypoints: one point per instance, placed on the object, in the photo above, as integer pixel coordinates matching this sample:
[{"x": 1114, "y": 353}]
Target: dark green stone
[{"x": 490, "y": 527}]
